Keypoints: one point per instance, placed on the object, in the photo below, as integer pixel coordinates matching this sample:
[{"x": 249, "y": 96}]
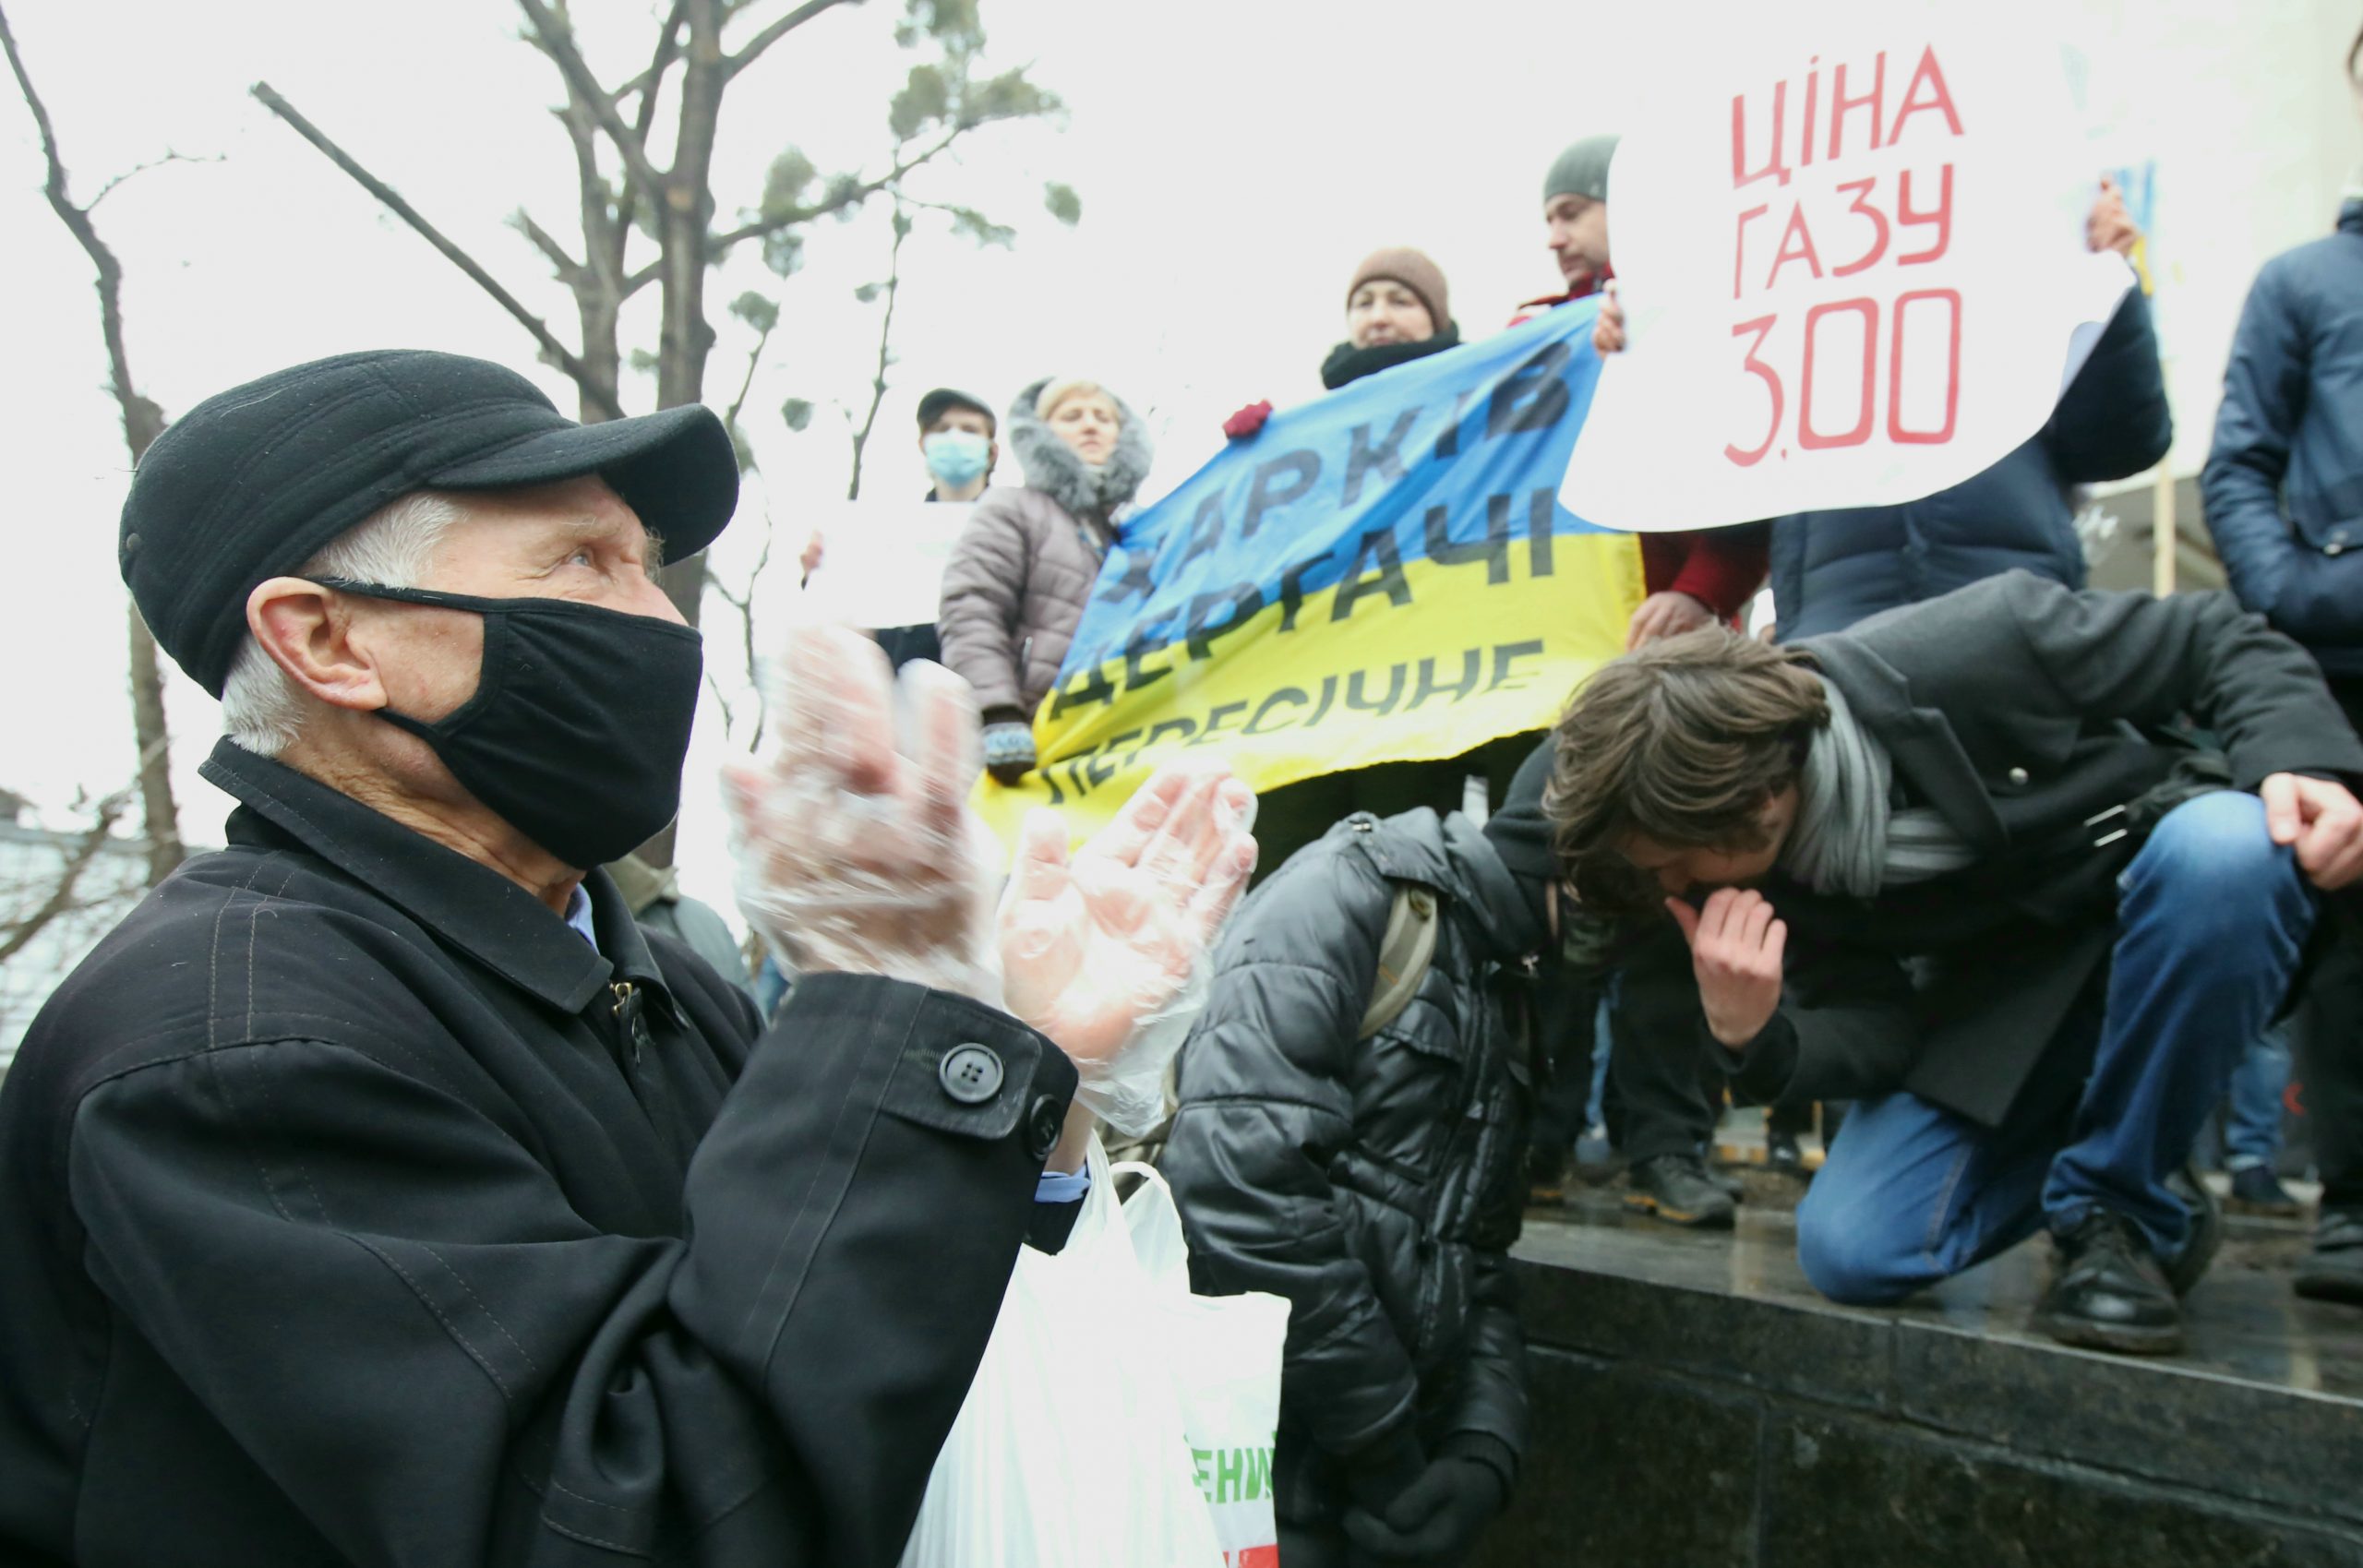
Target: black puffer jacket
[{"x": 1375, "y": 1183}]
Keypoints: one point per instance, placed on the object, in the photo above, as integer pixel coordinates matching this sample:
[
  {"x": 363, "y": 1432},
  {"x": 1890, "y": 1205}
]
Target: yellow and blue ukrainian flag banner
[{"x": 1383, "y": 574}]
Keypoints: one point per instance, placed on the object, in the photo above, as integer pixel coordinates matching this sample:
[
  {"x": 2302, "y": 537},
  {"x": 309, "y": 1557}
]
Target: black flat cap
[
  {"x": 254, "y": 481},
  {"x": 933, "y": 406}
]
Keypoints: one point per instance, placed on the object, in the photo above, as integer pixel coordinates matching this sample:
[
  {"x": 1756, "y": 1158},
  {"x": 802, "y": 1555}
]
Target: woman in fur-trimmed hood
[{"x": 1019, "y": 577}]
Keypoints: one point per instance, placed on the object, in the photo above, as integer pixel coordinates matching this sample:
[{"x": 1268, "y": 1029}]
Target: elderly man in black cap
[{"x": 378, "y": 1192}]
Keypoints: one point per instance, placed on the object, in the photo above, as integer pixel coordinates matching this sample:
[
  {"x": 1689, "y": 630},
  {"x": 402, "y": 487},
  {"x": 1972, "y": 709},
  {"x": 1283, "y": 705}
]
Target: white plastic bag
[
  {"x": 1070, "y": 1452},
  {"x": 1224, "y": 1352}
]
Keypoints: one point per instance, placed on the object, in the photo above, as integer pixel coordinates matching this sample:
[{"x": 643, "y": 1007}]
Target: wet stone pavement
[{"x": 1697, "y": 1404}]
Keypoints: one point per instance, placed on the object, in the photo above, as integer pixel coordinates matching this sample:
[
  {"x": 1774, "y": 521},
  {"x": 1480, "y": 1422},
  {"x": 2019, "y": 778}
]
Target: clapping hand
[
  {"x": 1098, "y": 950},
  {"x": 858, "y": 853},
  {"x": 855, "y": 853}
]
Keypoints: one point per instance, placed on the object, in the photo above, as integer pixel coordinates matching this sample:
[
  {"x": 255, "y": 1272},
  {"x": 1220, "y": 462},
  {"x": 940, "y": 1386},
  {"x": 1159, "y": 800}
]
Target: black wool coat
[
  {"x": 355, "y": 1210},
  {"x": 2031, "y": 717}
]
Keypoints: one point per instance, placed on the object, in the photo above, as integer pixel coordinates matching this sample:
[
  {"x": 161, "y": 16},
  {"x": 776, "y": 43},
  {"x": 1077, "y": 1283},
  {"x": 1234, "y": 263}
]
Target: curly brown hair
[{"x": 1682, "y": 743}]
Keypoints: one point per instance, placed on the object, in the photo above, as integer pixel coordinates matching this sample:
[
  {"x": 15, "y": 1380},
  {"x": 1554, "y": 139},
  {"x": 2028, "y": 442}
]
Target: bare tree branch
[
  {"x": 649, "y": 81},
  {"x": 557, "y": 39},
  {"x": 567, "y": 268},
  {"x": 744, "y": 603},
  {"x": 143, "y": 168},
  {"x": 852, "y": 196},
  {"x": 668, "y": 46},
  {"x": 893, "y": 287},
  {"x": 559, "y": 352},
  {"x": 773, "y": 33},
  {"x": 143, "y": 421},
  {"x": 754, "y": 357},
  {"x": 18, "y": 935},
  {"x": 714, "y": 687}
]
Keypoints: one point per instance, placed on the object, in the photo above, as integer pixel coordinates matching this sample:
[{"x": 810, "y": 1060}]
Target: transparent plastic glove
[
  {"x": 1106, "y": 951},
  {"x": 856, "y": 850}
]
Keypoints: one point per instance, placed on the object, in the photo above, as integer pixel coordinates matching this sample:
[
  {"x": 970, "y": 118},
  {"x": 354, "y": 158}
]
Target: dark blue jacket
[
  {"x": 2284, "y": 485},
  {"x": 1831, "y": 569}
]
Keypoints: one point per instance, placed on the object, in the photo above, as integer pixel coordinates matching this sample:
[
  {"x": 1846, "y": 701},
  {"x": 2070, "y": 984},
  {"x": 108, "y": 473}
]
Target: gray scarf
[{"x": 1849, "y": 838}]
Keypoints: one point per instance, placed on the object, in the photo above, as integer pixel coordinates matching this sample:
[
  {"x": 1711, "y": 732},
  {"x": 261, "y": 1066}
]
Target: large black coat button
[
  {"x": 1044, "y": 1123},
  {"x": 971, "y": 1073}
]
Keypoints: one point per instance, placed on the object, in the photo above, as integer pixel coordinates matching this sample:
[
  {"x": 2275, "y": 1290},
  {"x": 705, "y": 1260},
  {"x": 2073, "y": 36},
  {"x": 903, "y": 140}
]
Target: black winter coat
[
  {"x": 355, "y": 1210},
  {"x": 2019, "y": 711},
  {"x": 1378, "y": 1184},
  {"x": 1831, "y": 569}
]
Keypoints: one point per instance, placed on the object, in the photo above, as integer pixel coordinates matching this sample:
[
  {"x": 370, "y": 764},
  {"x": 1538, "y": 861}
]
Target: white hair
[{"x": 261, "y": 709}]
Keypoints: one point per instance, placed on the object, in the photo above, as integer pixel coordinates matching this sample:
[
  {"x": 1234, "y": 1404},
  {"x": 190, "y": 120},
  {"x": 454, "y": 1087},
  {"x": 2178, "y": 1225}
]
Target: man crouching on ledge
[{"x": 1954, "y": 866}]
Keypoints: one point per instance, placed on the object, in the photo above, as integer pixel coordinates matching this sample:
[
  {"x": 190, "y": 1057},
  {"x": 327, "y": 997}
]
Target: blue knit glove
[{"x": 1009, "y": 750}]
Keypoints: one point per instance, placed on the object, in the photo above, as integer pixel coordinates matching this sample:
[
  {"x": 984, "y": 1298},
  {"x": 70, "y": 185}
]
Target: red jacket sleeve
[{"x": 1720, "y": 567}]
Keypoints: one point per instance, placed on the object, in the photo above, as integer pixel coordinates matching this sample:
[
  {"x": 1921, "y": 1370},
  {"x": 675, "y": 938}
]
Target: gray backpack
[{"x": 1404, "y": 954}]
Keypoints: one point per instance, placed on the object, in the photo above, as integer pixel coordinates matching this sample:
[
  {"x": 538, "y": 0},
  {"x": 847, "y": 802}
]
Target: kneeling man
[{"x": 1956, "y": 866}]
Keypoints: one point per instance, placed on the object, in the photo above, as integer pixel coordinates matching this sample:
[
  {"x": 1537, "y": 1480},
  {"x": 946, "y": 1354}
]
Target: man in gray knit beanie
[{"x": 1575, "y": 206}]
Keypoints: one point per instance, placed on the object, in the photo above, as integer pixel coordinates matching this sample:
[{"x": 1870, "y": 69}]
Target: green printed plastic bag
[{"x": 1224, "y": 1353}]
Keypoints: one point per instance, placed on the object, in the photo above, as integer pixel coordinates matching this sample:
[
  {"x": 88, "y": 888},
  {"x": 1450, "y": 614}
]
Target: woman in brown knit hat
[{"x": 1397, "y": 310}]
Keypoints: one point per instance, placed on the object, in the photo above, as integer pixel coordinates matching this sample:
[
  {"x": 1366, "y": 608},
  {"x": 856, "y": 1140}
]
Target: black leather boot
[{"x": 2109, "y": 1292}]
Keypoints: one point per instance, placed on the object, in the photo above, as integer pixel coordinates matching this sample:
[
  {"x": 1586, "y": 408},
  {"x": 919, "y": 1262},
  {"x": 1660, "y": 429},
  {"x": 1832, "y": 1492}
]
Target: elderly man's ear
[{"x": 309, "y": 632}]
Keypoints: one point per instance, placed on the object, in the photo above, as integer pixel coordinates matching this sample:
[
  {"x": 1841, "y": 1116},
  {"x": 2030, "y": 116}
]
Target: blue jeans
[
  {"x": 2212, "y": 917},
  {"x": 2253, "y": 1130}
]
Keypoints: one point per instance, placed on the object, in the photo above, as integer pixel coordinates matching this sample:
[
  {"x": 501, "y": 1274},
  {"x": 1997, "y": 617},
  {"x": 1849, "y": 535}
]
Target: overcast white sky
[{"x": 1235, "y": 159}]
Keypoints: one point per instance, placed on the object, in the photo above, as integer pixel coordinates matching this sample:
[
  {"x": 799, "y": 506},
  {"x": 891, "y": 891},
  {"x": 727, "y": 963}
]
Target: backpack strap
[{"x": 1403, "y": 957}]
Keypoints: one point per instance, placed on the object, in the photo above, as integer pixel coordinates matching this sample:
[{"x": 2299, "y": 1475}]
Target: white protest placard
[
  {"x": 1852, "y": 265},
  {"x": 882, "y": 562}
]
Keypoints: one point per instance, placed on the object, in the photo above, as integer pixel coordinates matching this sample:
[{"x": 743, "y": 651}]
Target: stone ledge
[{"x": 1696, "y": 1404}]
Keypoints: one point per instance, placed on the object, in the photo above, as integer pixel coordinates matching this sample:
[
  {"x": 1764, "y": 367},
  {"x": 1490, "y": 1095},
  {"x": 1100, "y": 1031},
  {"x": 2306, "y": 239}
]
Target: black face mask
[{"x": 580, "y": 720}]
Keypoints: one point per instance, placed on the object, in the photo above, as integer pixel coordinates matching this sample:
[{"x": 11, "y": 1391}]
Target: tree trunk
[
  {"x": 142, "y": 423},
  {"x": 684, "y": 221},
  {"x": 598, "y": 285},
  {"x": 157, "y": 805}
]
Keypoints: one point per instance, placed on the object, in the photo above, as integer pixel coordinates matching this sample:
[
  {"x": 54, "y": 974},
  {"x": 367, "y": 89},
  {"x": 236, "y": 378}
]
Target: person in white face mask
[
  {"x": 956, "y": 434},
  {"x": 956, "y": 439}
]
